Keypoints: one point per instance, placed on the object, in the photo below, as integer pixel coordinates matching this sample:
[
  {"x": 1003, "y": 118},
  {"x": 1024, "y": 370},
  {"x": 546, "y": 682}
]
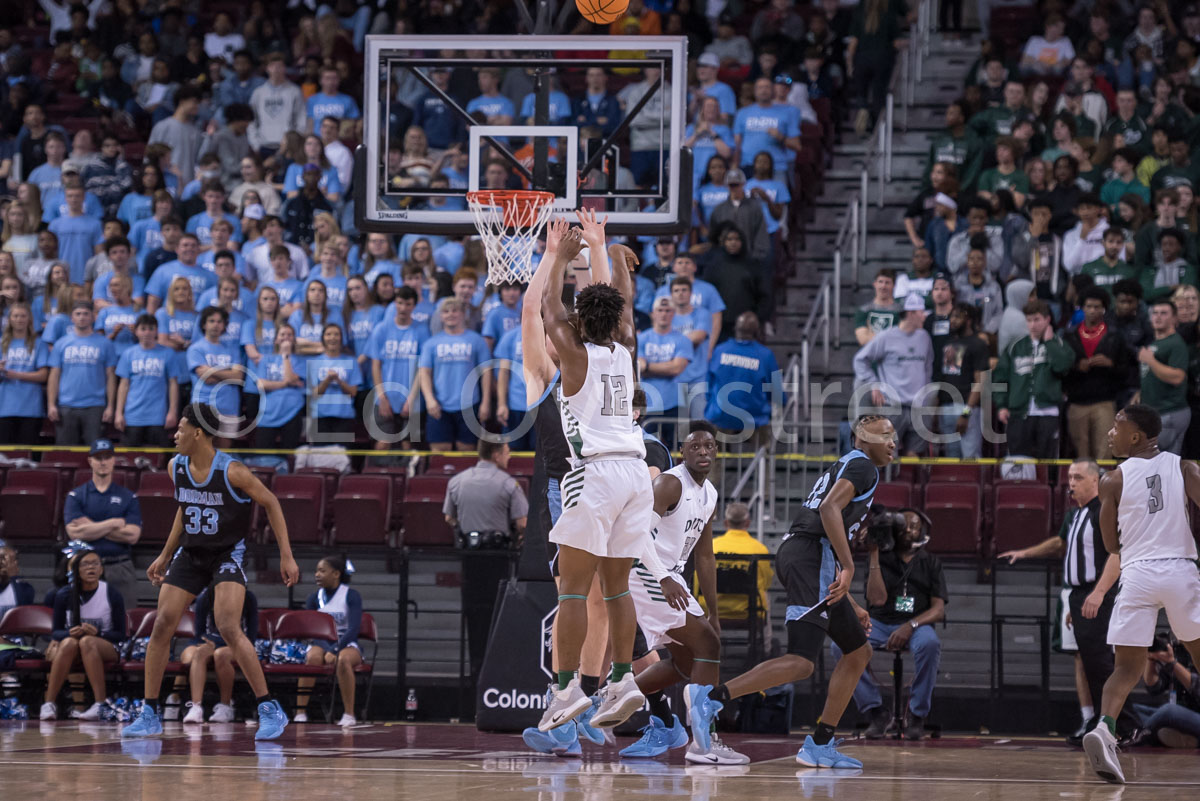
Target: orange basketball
[{"x": 602, "y": 12}]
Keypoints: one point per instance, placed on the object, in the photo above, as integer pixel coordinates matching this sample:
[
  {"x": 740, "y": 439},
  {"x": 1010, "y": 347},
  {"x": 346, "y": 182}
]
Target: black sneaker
[
  {"x": 1076, "y": 739},
  {"x": 914, "y": 727},
  {"x": 878, "y": 726}
]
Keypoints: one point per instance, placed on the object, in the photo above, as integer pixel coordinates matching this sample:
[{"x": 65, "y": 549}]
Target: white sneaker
[
  {"x": 49, "y": 711},
  {"x": 301, "y": 716},
  {"x": 347, "y": 720},
  {"x": 1101, "y": 748},
  {"x": 567, "y": 704},
  {"x": 75, "y": 713},
  {"x": 222, "y": 713},
  {"x": 718, "y": 754},
  {"x": 171, "y": 708},
  {"x": 92, "y": 712},
  {"x": 617, "y": 702},
  {"x": 195, "y": 713}
]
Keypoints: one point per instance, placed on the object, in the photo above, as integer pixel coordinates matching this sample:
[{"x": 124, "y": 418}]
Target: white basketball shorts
[
  {"x": 655, "y": 616},
  {"x": 1150, "y": 585},
  {"x": 606, "y": 508}
]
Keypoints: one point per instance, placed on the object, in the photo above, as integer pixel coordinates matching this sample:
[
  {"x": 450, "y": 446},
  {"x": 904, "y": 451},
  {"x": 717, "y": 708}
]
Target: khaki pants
[{"x": 1088, "y": 426}]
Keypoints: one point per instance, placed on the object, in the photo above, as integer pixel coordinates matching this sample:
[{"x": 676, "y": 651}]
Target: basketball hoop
[{"x": 509, "y": 223}]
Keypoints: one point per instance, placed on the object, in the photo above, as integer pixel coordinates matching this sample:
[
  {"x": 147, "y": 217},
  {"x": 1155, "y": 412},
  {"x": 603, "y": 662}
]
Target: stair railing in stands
[{"x": 762, "y": 500}]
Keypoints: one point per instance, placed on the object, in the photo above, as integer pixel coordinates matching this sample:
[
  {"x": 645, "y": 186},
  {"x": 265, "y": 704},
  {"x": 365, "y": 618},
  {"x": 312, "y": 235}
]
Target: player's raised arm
[
  {"x": 248, "y": 483},
  {"x": 625, "y": 261},
  {"x": 536, "y": 362},
  {"x": 1110, "y": 499},
  {"x": 593, "y": 237},
  {"x": 572, "y": 356}
]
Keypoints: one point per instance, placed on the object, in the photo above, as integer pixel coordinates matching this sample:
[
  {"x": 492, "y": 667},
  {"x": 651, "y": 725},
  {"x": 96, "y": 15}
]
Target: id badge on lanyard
[{"x": 905, "y": 603}]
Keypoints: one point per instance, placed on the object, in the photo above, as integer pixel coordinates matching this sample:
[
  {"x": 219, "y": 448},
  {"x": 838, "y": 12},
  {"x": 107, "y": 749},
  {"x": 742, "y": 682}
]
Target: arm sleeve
[
  {"x": 116, "y": 603},
  {"x": 133, "y": 511},
  {"x": 938, "y": 587},
  {"x": 73, "y": 509},
  {"x": 353, "y": 619},
  {"x": 518, "y": 504},
  {"x": 864, "y": 370}
]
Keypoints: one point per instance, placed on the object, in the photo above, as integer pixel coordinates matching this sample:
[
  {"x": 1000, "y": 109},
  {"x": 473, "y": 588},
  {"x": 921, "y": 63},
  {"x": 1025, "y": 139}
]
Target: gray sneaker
[
  {"x": 1101, "y": 748},
  {"x": 565, "y": 705},
  {"x": 617, "y": 702}
]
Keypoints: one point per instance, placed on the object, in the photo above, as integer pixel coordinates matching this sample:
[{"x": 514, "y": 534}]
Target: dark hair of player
[
  {"x": 702, "y": 426},
  {"x": 338, "y": 563},
  {"x": 203, "y": 416},
  {"x": 1146, "y": 418},
  {"x": 599, "y": 307}
]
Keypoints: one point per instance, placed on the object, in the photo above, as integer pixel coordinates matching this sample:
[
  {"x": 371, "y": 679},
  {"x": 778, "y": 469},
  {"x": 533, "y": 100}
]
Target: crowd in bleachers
[
  {"x": 178, "y": 210},
  {"x": 1057, "y": 228}
]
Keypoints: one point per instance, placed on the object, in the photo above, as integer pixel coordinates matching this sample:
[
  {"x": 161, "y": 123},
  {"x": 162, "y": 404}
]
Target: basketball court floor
[{"x": 446, "y": 762}]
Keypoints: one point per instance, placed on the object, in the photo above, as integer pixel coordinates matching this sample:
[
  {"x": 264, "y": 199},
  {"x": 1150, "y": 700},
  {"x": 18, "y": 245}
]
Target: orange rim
[{"x": 521, "y": 206}]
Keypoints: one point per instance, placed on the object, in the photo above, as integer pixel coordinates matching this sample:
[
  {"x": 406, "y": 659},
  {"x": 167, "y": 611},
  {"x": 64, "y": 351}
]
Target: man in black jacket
[
  {"x": 297, "y": 212},
  {"x": 1130, "y": 322},
  {"x": 739, "y": 279},
  {"x": 1097, "y": 378}
]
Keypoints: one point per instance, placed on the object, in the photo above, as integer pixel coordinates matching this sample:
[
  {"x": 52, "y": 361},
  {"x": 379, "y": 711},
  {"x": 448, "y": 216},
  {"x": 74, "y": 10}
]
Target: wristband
[
  {"x": 966, "y": 411},
  {"x": 915, "y": 625}
]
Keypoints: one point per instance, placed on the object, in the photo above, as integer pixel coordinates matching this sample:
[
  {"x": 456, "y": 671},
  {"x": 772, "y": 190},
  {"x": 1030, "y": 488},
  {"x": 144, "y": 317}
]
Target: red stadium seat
[
  {"x": 185, "y": 630},
  {"x": 443, "y": 464},
  {"x": 128, "y": 459},
  {"x": 306, "y": 624},
  {"x": 909, "y": 474},
  {"x": 302, "y": 497},
  {"x": 156, "y": 497},
  {"x": 954, "y": 510},
  {"x": 970, "y": 473},
  {"x": 1022, "y": 514},
  {"x": 424, "y": 523},
  {"x": 362, "y": 510},
  {"x": 134, "y": 617},
  {"x": 331, "y": 476},
  {"x": 32, "y": 622},
  {"x": 268, "y": 619},
  {"x": 893, "y": 495},
  {"x": 522, "y": 466},
  {"x": 31, "y": 505},
  {"x": 367, "y": 633}
]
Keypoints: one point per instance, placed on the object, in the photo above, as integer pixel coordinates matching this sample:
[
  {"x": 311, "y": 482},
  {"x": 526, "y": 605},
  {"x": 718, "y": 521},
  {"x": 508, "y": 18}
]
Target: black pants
[
  {"x": 872, "y": 74},
  {"x": 1035, "y": 437},
  {"x": 482, "y": 574},
  {"x": 146, "y": 436},
  {"x": 1091, "y": 635},
  {"x": 950, "y": 9},
  {"x": 20, "y": 430},
  {"x": 286, "y": 436}
]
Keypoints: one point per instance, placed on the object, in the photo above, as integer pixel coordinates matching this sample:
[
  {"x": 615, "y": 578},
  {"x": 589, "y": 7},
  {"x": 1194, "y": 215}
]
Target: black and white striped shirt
[{"x": 1085, "y": 553}]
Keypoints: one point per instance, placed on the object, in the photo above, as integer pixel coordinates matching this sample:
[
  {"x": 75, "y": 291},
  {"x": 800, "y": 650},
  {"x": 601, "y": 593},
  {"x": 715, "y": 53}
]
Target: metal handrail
[
  {"x": 762, "y": 467},
  {"x": 819, "y": 322}
]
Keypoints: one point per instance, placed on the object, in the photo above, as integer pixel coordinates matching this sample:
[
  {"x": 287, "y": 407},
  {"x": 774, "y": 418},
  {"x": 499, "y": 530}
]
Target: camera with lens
[{"x": 885, "y": 528}]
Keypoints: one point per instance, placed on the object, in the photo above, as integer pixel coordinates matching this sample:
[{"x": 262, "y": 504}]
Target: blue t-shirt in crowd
[
  {"x": 207, "y": 258},
  {"x": 233, "y": 330},
  {"x": 334, "y": 402},
  {"x": 747, "y": 364},
  {"x": 703, "y": 294},
  {"x": 335, "y": 288},
  {"x": 77, "y": 241},
  {"x": 755, "y": 123},
  {"x": 149, "y": 372},
  {"x": 509, "y": 348},
  {"x": 560, "y": 107},
  {"x": 23, "y": 398},
  {"x": 54, "y": 205},
  {"x": 244, "y": 303},
  {"x": 322, "y": 105},
  {"x": 145, "y": 235},
  {"x": 84, "y": 362},
  {"x": 56, "y": 328},
  {"x": 160, "y": 283},
  {"x": 47, "y": 178},
  {"x": 698, "y": 318},
  {"x": 134, "y": 208},
  {"x": 264, "y": 341},
  {"x": 500, "y": 320},
  {"x": 383, "y": 267},
  {"x": 329, "y": 183},
  {"x": 112, "y": 316},
  {"x": 278, "y": 406},
  {"x": 397, "y": 350},
  {"x": 423, "y": 312},
  {"x": 201, "y": 225},
  {"x": 100, "y": 288},
  {"x": 362, "y": 323},
  {"x": 449, "y": 256},
  {"x": 708, "y": 197},
  {"x": 453, "y": 357},
  {"x": 312, "y": 331},
  {"x": 778, "y": 192},
  {"x": 723, "y": 93},
  {"x": 662, "y": 393},
  {"x": 183, "y": 323},
  {"x": 703, "y": 149},
  {"x": 290, "y": 290},
  {"x": 225, "y": 396},
  {"x": 492, "y": 106}
]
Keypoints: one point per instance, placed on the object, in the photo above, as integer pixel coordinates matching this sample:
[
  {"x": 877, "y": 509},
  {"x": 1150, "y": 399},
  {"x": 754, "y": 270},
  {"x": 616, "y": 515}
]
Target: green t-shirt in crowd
[
  {"x": 1104, "y": 275},
  {"x": 877, "y": 318},
  {"x": 1157, "y": 394},
  {"x": 993, "y": 179}
]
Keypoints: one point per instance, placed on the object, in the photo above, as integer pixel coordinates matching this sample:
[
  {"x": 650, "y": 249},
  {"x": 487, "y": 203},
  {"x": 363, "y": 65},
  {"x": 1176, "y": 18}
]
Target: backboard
[{"x": 523, "y": 112}]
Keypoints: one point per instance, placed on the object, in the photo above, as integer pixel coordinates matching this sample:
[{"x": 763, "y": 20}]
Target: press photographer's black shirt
[{"x": 925, "y": 581}]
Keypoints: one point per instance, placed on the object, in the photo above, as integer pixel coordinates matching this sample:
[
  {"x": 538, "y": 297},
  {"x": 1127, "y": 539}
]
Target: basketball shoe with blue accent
[
  {"x": 825, "y": 756},
  {"x": 657, "y": 739},
  {"x": 584, "y": 721},
  {"x": 562, "y": 740},
  {"x": 147, "y": 724},
  {"x": 702, "y": 711},
  {"x": 271, "y": 721}
]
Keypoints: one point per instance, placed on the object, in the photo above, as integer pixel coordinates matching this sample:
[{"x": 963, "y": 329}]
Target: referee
[{"x": 1090, "y": 574}]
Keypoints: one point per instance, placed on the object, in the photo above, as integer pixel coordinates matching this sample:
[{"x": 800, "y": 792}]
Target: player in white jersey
[
  {"x": 607, "y": 499},
  {"x": 684, "y": 505},
  {"x": 1143, "y": 519}
]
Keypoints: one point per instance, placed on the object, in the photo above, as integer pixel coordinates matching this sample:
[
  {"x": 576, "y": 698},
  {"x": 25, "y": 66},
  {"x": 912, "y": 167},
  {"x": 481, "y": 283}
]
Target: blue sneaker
[
  {"x": 657, "y": 739},
  {"x": 538, "y": 740},
  {"x": 584, "y": 722},
  {"x": 566, "y": 740},
  {"x": 702, "y": 710},
  {"x": 271, "y": 721},
  {"x": 825, "y": 756},
  {"x": 147, "y": 724}
]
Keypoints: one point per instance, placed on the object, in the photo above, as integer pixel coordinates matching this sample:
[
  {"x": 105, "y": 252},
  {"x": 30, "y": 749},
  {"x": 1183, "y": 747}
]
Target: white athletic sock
[{"x": 1087, "y": 712}]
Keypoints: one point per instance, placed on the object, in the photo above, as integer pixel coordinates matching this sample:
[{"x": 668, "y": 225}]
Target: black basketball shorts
[{"x": 806, "y": 567}]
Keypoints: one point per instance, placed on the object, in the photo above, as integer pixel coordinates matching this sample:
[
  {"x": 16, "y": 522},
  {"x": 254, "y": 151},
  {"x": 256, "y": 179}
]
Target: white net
[{"x": 509, "y": 223}]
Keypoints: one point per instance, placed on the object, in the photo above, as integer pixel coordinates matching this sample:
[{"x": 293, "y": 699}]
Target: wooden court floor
[{"x": 433, "y": 762}]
